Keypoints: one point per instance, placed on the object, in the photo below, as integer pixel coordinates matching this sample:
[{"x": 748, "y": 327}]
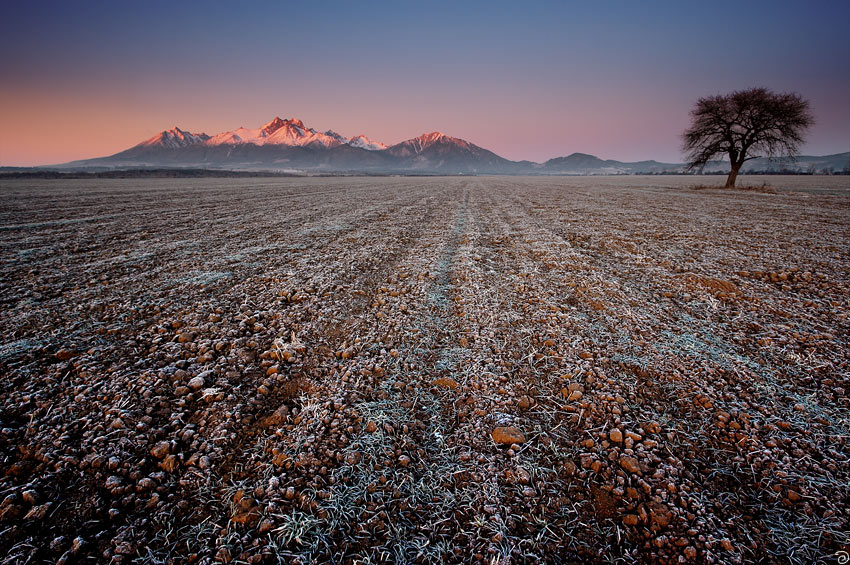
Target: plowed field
[{"x": 424, "y": 370}]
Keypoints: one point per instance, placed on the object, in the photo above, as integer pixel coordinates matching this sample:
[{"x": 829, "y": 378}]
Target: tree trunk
[{"x": 733, "y": 174}]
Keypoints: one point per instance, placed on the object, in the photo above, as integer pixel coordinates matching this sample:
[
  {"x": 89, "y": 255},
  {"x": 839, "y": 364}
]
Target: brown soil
[{"x": 312, "y": 370}]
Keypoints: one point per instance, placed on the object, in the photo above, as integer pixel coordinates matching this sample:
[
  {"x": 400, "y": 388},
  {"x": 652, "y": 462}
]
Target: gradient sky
[{"x": 526, "y": 80}]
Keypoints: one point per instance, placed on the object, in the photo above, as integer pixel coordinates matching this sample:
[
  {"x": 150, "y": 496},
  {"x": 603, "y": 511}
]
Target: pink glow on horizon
[{"x": 40, "y": 129}]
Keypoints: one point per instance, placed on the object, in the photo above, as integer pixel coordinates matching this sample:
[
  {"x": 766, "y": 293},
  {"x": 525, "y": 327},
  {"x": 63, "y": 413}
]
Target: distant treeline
[
  {"x": 139, "y": 173},
  {"x": 217, "y": 173},
  {"x": 819, "y": 173},
  {"x": 790, "y": 172}
]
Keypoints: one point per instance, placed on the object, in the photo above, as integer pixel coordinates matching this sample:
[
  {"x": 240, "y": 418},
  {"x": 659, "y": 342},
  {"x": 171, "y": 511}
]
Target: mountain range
[{"x": 289, "y": 145}]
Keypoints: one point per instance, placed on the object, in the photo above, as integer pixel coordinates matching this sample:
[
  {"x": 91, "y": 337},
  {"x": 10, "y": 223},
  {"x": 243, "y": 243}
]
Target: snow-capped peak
[
  {"x": 435, "y": 142},
  {"x": 174, "y": 138},
  {"x": 364, "y": 142},
  {"x": 419, "y": 144},
  {"x": 272, "y": 126},
  {"x": 334, "y": 135},
  {"x": 226, "y": 138},
  {"x": 289, "y": 132}
]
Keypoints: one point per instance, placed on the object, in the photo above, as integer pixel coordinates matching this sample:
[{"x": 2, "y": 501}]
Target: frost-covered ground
[{"x": 322, "y": 370}]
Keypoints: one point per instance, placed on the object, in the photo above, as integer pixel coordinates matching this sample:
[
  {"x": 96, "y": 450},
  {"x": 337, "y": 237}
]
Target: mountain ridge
[{"x": 290, "y": 145}]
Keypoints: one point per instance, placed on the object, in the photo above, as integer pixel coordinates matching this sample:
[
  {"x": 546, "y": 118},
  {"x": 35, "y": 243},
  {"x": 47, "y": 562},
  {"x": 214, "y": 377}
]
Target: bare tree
[{"x": 744, "y": 125}]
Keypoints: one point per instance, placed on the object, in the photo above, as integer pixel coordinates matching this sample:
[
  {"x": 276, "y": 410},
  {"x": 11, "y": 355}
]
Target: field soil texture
[{"x": 424, "y": 370}]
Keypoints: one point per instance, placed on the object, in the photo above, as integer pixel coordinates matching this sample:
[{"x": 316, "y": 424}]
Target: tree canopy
[{"x": 743, "y": 125}]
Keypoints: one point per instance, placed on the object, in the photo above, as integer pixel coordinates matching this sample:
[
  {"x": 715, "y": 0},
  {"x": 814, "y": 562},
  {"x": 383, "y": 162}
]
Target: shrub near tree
[{"x": 744, "y": 125}]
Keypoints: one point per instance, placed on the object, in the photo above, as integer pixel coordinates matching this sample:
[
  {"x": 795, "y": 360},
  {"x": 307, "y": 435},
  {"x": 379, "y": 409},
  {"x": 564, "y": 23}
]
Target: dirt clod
[{"x": 507, "y": 435}]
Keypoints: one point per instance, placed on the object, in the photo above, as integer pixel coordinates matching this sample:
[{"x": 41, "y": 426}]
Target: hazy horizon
[{"x": 538, "y": 82}]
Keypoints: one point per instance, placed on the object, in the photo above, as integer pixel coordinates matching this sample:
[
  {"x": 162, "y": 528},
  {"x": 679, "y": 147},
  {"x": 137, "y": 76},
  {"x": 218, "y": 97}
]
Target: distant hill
[
  {"x": 838, "y": 163},
  {"x": 584, "y": 164},
  {"x": 438, "y": 152}
]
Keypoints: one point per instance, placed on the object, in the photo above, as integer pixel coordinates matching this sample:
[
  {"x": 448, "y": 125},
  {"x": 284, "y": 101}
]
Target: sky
[{"x": 527, "y": 80}]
